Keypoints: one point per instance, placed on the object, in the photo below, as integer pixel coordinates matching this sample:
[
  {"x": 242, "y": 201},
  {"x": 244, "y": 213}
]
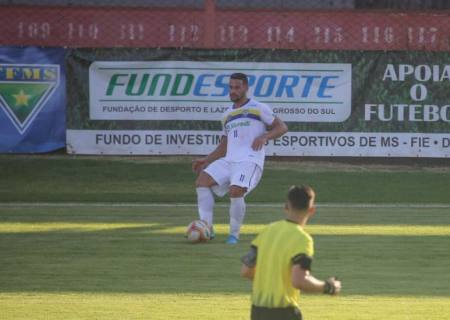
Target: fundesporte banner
[
  {"x": 348, "y": 103},
  {"x": 189, "y": 90}
]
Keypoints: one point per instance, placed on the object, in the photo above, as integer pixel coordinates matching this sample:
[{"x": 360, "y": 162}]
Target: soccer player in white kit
[{"x": 236, "y": 165}]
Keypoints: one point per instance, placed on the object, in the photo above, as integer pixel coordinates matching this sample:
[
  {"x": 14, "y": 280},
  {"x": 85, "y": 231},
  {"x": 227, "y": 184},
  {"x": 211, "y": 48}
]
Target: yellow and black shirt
[{"x": 277, "y": 248}]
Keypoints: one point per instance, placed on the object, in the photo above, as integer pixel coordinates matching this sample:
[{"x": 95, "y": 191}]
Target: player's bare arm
[
  {"x": 199, "y": 164},
  {"x": 247, "y": 272},
  {"x": 249, "y": 263},
  {"x": 303, "y": 279},
  {"x": 277, "y": 129}
]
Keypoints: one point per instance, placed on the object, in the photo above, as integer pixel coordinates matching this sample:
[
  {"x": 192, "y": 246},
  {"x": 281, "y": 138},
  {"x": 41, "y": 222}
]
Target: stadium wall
[{"x": 397, "y": 72}]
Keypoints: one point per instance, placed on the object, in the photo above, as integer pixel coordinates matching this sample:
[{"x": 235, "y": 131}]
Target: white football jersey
[{"x": 241, "y": 126}]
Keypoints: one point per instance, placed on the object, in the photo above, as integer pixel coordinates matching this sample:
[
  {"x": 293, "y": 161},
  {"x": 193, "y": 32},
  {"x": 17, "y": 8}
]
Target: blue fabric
[{"x": 32, "y": 99}]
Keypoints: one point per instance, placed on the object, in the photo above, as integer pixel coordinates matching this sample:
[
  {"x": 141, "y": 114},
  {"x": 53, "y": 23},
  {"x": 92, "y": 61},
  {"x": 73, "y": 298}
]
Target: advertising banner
[
  {"x": 188, "y": 90},
  {"x": 32, "y": 100},
  {"x": 361, "y": 104},
  {"x": 182, "y": 142}
]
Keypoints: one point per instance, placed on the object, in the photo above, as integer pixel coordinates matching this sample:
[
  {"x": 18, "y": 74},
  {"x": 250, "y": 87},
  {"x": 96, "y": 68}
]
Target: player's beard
[{"x": 236, "y": 98}]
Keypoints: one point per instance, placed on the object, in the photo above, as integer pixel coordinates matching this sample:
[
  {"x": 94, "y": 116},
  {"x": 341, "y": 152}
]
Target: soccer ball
[{"x": 198, "y": 231}]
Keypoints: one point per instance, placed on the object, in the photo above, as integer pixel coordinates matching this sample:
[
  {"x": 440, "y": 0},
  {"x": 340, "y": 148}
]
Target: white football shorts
[{"x": 242, "y": 174}]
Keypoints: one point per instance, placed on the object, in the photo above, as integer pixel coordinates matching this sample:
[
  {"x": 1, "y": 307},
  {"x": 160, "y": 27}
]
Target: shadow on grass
[
  {"x": 115, "y": 180},
  {"x": 182, "y": 215},
  {"x": 146, "y": 260}
]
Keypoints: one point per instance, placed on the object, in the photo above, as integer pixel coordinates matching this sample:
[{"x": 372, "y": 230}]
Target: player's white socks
[
  {"x": 205, "y": 201},
  {"x": 237, "y": 213}
]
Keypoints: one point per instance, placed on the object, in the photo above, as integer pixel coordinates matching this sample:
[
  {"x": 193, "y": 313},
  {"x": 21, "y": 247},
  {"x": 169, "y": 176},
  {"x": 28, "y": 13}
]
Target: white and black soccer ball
[{"x": 198, "y": 231}]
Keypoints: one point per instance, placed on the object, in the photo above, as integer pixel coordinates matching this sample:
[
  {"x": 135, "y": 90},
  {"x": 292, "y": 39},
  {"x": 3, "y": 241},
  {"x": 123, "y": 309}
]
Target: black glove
[{"x": 330, "y": 288}]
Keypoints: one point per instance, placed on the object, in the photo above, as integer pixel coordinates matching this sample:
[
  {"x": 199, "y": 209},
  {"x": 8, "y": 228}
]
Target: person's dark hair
[
  {"x": 301, "y": 198},
  {"x": 240, "y": 76}
]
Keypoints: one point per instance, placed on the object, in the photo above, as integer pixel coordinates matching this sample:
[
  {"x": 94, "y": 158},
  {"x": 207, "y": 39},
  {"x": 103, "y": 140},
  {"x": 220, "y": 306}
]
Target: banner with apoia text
[{"x": 341, "y": 103}]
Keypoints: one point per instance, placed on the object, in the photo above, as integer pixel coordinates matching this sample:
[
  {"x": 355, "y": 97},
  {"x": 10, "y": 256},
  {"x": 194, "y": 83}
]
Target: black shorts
[{"x": 262, "y": 313}]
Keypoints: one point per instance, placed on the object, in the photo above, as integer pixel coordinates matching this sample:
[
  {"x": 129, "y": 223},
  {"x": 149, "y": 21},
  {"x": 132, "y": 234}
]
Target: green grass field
[
  {"x": 115, "y": 253},
  {"x": 143, "y": 179}
]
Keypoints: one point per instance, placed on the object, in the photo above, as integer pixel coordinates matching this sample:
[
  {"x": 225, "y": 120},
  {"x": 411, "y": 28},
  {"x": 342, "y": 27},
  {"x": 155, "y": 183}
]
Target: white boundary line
[{"x": 191, "y": 205}]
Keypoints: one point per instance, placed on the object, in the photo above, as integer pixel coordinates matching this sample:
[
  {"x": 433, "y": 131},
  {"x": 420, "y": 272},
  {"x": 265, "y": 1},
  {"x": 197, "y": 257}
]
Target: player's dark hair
[
  {"x": 240, "y": 76},
  {"x": 301, "y": 198}
]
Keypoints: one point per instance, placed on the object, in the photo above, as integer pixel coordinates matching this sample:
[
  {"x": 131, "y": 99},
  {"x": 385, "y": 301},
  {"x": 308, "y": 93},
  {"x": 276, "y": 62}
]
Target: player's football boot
[{"x": 232, "y": 239}]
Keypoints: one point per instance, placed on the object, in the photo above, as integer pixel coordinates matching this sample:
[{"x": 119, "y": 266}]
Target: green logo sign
[{"x": 24, "y": 90}]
